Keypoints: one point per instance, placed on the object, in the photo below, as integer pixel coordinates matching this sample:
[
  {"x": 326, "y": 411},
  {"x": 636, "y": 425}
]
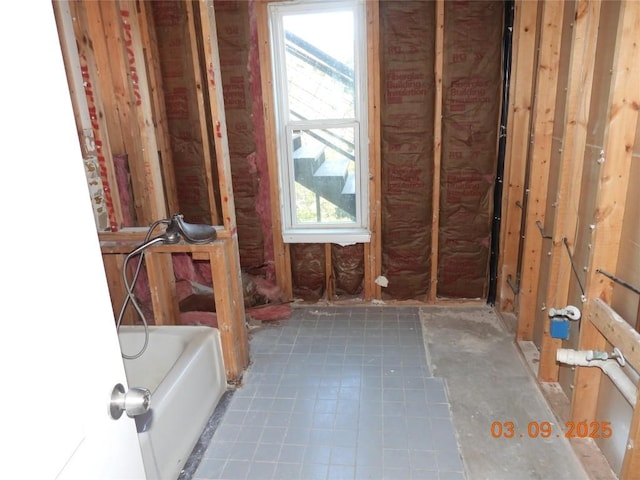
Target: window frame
[{"x": 292, "y": 231}]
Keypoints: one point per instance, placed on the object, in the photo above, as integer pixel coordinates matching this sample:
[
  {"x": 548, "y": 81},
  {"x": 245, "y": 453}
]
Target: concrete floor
[{"x": 488, "y": 381}]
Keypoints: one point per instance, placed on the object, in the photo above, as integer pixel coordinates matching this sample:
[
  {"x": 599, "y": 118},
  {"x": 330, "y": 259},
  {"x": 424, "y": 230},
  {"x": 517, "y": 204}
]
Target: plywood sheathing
[
  {"x": 407, "y": 46},
  {"x": 518, "y": 141},
  {"x": 472, "y": 89}
]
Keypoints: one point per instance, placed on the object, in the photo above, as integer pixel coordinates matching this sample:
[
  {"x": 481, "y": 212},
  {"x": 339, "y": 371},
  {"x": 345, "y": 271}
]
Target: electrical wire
[{"x": 130, "y": 298}]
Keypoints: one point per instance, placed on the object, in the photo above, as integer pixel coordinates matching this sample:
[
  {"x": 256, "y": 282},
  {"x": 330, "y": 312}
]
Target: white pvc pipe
[{"x": 610, "y": 367}]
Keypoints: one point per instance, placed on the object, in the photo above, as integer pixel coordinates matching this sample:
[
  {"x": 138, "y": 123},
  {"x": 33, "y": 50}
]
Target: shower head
[{"x": 191, "y": 232}]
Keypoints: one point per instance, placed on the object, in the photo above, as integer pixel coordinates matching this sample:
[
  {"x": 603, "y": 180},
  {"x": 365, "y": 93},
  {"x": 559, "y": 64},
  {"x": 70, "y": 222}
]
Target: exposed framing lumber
[
  {"x": 543, "y": 120},
  {"x": 520, "y": 99},
  {"x": 282, "y": 254},
  {"x": 216, "y": 101},
  {"x": 101, "y": 138},
  {"x": 582, "y": 64},
  {"x": 328, "y": 273},
  {"x": 156, "y": 90},
  {"x": 113, "y": 268},
  {"x": 143, "y": 111},
  {"x": 220, "y": 254},
  {"x": 235, "y": 291},
  {"x": 621, "y": 334},
  {"x": 616, "y": 330},
  {"x": 207, "y": 150},
  {"x": 163, "y": 287},
  {"x": 104, "y": 35},
  {"x": 232, "y": 260},
  {"x": 610, "y": 205},
  {"x": 103, "y": 215},
  {"x": 373, "y": 249},
  {"x": 437, "y": 149},
  {"x": 235, "y": 357}
]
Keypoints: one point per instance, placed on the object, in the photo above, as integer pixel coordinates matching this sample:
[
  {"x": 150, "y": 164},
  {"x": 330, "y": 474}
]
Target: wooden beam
[
  {"x": 282, "y": 256},
  {"x": 103, "y": 216},
  {"x": 616, "y": 330},
  {"x": 162, "y": 282},
  {"x": 518, "y": 140},
  {"x": 373, "y": 249},
  {"x": 543, "y": 120},
  {"x": 117, "y": 291},
  {"x": 101, "y": 23},
  {"x": 622, "y": 335},
  {"x": 613, "y": 183},
  {"x": 216, "y": 104},
  {"x": 156, "y": 91},
  {"x": 235, "y": 357},
  {"x": 579, "y": 85},
  {"x": 208, "y": 151},
  {"x": 155, "y": 204},
  {"x": 101, "y": 140},
  {"x": 234, "y": 304},
  {"x": 437, "y": 149},
  {"x": 236, "y": 292}
]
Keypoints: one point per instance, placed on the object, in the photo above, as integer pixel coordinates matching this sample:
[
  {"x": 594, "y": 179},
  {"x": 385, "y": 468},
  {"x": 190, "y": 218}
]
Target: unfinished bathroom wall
[
  {"x": 580, "y": 252},
  {"x": 234, "y": 38},
  {"x": 554, "y": 178},
  {"x": 625, "y": 301},
  {"x": 407, "y": 46},
  {"x": 472, "y": 86},
  {"x": 580, "y": 210},
  {"x": 177, "y": 57}
]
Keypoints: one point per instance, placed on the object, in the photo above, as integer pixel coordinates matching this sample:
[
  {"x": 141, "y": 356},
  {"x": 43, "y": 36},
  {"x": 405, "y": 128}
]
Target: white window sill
[{"x": 341, "y": 236}]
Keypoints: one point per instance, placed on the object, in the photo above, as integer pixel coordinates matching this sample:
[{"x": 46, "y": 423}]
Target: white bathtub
[{"x": 184, "y": 370}]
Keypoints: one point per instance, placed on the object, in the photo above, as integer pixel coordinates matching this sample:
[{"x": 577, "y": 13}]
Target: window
[{"x": 319, "y": 72}]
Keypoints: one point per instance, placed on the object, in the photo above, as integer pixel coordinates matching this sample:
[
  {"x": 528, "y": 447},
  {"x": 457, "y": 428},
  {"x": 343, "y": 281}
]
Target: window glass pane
[
  {"x": 325, "y": 176},
  {"x": 319, "y": 56}
]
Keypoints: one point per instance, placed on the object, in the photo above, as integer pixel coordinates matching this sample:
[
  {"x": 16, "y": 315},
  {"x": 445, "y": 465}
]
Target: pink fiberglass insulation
[
  {"x": 259, "y": 157},
  {"x": 199, "y": 318},
  {"x": 270, "y": 313}
]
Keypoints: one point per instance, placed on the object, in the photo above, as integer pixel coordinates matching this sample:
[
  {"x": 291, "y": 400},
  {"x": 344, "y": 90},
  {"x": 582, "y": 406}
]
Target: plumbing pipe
[
  {"x": 611, "y": 368},
  {"x": 571, "y": 312}
]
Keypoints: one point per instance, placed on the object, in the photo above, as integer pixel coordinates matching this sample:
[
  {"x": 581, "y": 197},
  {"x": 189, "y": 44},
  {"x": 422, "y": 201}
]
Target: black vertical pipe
[{"x": 502, "y": 142}]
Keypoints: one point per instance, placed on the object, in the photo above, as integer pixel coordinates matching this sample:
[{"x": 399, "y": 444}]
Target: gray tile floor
[{"x": 333, "y": 393}]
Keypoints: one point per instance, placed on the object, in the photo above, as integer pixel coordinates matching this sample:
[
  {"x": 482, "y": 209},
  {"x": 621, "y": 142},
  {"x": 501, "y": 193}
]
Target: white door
[{"x": 59, "y": 354}]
